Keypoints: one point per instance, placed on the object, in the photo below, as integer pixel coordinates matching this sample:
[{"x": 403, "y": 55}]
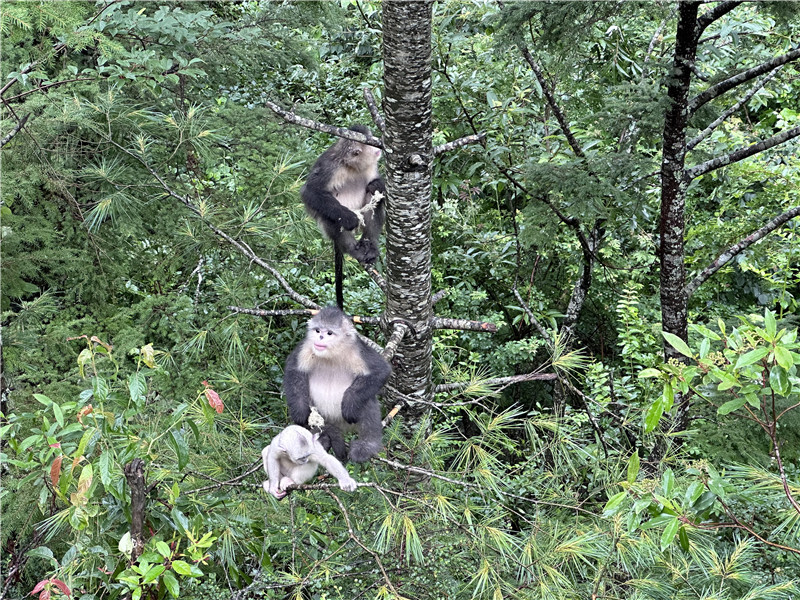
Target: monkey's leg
[
  {"x": 332, "y": 437},
  {"x": 370, "y": 434}
]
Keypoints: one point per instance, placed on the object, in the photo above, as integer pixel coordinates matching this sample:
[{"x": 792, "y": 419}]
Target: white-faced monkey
[
  {"x": 293, "y": 456},
  {"x": 339, "y": 376},
  {"x": 341, "y": 182}
]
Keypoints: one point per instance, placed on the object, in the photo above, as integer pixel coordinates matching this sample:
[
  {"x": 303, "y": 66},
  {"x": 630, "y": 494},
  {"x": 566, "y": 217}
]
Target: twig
[
  {"x": 373, "y": 110},
  {"x": 399, "y": 331},
  {"x": 459, "y": 385},
  {"x": 464, "y": 141},
  {"x": 462, "y": 324},
  {"x": 14, "y": 131}
]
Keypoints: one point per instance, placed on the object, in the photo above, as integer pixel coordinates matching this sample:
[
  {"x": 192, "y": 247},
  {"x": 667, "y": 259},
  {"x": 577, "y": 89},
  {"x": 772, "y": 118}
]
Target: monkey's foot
[
  {"x": 362, "y": 450},
  {"x": 366, "y": 251},
  {"x": 277, "y": 493}
]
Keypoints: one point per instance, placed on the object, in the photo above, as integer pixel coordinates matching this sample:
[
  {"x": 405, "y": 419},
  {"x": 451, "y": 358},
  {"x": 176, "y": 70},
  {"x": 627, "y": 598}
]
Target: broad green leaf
[
  {"x": 173, "y": 587},
  {"x": 669, "y": 396},
  {"x": 727, "y": 381},
  {"x": 99, "y": 389},
  {"x": 43, "y": 399},
  {"x": 106, "y": 463},
  {"x": 783, "y": 357},
  {"x": 656, "y": 521},
  {"x": 87, "y": 436},
  {"x": 694, "y": 491},
  {"x": 769, "y": 324},
  {"x": 153, "y": 573},
  {"x": 732, "y": 405},
  {"x": 163, "y": 549},
  {"x": 677, "y": 343},
  {"x": 613, "y": 503},
  {"x": 683, "y": 537},
  {"x": 126, "y": 544},
  {"x": 137, "y": 386},
  {"x": 650, "y": 372},
  {"x": 751, "y": 357},
  {"x": 669, "y": 532},
  {"x": 654, "y": 414},
  {"x": 715, "y": 485},
  {"x": 753, "y": 400},
  {"x": 779, "y": 380},
  {"x": 179, "y": 446},
  {"x": 59, "y": 415},
  {"x": 633, "y": 467},
  {"x": 181, "y": 567},
  {"x": 705, "y": 347},
  {"x": 668, "y": 482}
]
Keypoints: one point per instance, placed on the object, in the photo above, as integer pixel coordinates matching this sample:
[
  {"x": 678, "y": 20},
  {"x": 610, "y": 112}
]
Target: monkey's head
[
  {"x": 328, "y": 331},
  {"x": 299, "y": 445},
  {"x": 358, "y": 156}
]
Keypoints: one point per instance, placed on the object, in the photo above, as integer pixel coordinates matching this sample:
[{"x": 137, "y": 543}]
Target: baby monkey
[{"x": 293, "y": 457}]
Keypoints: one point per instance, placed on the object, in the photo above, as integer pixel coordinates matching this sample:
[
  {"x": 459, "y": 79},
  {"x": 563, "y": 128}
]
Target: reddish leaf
[
  {"x": 39, "y": 586},
  {"x": 45, "y": 595},
  {"x": 55, "y": 472},
  {"x": 56, "y": 445},
  {"x": 62, "y": 586},
  {"x": 214, "y": 400},
  {"x": 86, "y": 410}
]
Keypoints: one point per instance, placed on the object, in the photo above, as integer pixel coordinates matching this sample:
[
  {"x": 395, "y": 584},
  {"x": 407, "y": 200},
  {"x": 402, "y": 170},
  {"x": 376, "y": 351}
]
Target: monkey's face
[
  {"x": 323, "y": 339},
  {"x": 360, "y": 157}
]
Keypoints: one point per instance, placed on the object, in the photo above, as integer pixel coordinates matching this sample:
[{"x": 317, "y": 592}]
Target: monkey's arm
[
  {"x": 295, "y": 387},
  {"x": 272, "y": 467},
  {"x": 334, "y": 467},
  {"x": 365, "y": 387},
  {"x": 317, "y": 198}
]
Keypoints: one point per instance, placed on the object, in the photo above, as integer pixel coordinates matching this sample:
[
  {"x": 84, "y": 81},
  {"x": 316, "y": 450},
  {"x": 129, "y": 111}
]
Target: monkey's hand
[
  {"x": 348, "y": 220},
  {"x": 348, "y": 484},
  {"x": 273, "y": 489}
]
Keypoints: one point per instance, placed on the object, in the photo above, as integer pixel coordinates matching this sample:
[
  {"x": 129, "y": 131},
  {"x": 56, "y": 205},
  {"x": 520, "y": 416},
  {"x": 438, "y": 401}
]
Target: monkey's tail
[{"x": 338, "y": 267}]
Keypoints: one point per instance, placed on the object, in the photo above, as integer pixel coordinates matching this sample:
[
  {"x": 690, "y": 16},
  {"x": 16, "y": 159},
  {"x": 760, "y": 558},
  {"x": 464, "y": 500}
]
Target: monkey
[
  {"x": 292, "y": 457},
  {"x": 333, "y": 374},
  {"x": 341, "y": 182}
]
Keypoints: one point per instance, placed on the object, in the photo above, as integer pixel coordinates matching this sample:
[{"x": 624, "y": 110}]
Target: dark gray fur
[{"x": 359, "y": 404}]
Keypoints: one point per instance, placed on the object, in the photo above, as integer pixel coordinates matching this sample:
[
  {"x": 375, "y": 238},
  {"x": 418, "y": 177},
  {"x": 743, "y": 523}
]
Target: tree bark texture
[
  {"x": 408, "y": 141},
  {"x": 674, "y": 299},
  {"x": 134, "y": 474}
]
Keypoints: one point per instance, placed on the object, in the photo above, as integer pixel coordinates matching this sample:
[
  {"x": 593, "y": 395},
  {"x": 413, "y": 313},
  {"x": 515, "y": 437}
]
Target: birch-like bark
[{"x": 409, "y": 150}]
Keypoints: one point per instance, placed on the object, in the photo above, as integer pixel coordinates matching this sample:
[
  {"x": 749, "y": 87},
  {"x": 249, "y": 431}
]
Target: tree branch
[
  {"x": 751, "y": 239},
  {"x": 449, "y": 387},
  {"x": 707, "y": 18},
  {"x": 743, "y": 77},
  {"x": 742, "y": 153},
  {"x": 15, "y": 131},
  {"x": 377, "y": 118},
  {"x": 462, "y": 324},
  {"x": 751, "y": 92},
  {"x": 469, "y": 139},
  {"x": 342, "y": 132}
]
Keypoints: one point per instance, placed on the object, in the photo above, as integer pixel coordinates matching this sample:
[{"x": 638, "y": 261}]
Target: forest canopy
[{"x": 587, "y": 290}]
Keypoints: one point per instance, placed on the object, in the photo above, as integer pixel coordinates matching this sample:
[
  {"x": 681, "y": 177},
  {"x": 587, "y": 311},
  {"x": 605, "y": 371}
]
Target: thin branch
[
  {"x": 373, "y": 110},
  {"x": 730, "y": 83},
  {"x": 42, "y": 88},
  {"x": 15, "y": 131},
  {"x": 751, "y": 239},
  {"x": 460, "y": 385},
  {"x": 355, "y": 538},
  {"x": 551, "y": 100},
  {"x": 242, "y": 247},
  {"x": 713, "y": 125},
  {"x": 438, "y": 296},
  {"x": 30, "y": 66},
  {"x": 342, "y": 132},
  {"x": 742, "y": 153},
  {"x": 466, "y": 484},
  {"x": 469, "y": 139},
  {"x": 398, "y": 333}
]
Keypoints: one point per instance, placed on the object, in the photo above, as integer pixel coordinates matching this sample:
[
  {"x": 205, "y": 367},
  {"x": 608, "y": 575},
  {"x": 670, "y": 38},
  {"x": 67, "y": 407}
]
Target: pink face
[{"x": 322, "y": 339}]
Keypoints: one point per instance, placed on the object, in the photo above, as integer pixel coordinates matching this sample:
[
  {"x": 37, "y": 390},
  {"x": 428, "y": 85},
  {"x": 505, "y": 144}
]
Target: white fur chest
[
  {"x": 327, "y": 385},
  {"x": 352, "y": 196}
]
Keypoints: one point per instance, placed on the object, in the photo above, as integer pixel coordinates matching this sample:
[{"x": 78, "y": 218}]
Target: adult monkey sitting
[
  {"x": 343, "y": 181},
  {"x": 338, "y": 376}
]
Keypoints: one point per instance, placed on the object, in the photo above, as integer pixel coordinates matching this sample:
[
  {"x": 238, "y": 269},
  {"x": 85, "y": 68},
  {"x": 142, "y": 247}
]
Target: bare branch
[
  {"x": 742, "y": 153},
  {"x": 341, "y": 132},
  {"x": 743, "y": 77},
  {"x": 751, "y": 239},
  {"x": 462, "y": 324},
  {"x": 460, "y": 385},
  {"x": 258, "y": 312},
  {"x": 438, "y": 296},
  {"x": 469, "y": 139},
  {"x": 551, "y": 100},
  {"x": 377, "y": 118},
  {"x": 29, "y": 67},
  {"x": 42, "y": 88},
  {"x": 15, "y": 131},
  {"x": 750, "y": 93},
  {"x": 398, "y": 333}
]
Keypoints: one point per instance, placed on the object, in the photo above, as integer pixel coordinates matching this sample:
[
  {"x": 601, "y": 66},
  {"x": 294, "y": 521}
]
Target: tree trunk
[
  {"x": 409, "y": 152},
  {"x": 134, "y": 473},
  {"x": 674, "y": 299}
]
